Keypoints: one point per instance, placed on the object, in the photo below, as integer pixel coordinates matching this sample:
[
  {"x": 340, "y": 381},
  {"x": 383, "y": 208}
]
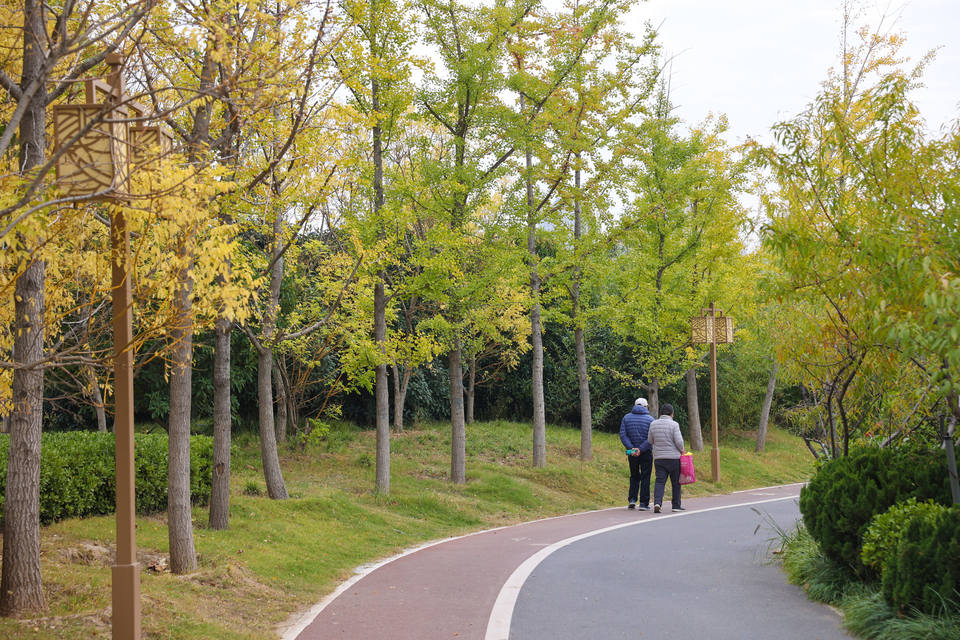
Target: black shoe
[
  {"x": 678, "y": 509},
  {"x": 643, "y": 507},
  {"x": 632, "y": 505},
  {"x": 656, "y": 508}
]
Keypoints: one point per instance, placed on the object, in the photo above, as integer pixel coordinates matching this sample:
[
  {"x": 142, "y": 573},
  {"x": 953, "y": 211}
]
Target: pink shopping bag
[{"x": 688, "y": 474}]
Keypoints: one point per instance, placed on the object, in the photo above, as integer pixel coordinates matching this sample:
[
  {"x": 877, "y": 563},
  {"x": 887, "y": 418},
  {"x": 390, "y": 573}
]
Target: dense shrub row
[
  {"x": 887, "y": 511},
  {"x": 926, "y": 569},
  {"x": 843, "y": 497},
  {"x": 77, "y": 473}
]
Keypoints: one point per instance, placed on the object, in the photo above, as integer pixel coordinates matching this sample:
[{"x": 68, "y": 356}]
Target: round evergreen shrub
[
  {"x": 926, "y": 571},
  {"x": 846, "y": 493},
  {"x": 886, "y": 531}
]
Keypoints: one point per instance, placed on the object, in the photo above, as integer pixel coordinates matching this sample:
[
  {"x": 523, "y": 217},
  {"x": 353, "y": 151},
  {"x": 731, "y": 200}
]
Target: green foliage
[
  {"x": 252, "y": 488},
  {"x": 861, "y": 259},
  {"x": 366, "y": 459},
  {"x": 869, "y": 616},
  {"x": 201, "y": 469},
  {"x": 886, "y": 531},
  {"x": 76, "y": 475},
  {"x": 315, "y": 433},
  {"x": 78, "y": 479},
  {"x": 805, "y": 565},
  {"x": 926, "y": 571},
  {"x": 846, "y": 493},
  {"x": 681, "y": 215},
  {"x": 865, "y": 611}
]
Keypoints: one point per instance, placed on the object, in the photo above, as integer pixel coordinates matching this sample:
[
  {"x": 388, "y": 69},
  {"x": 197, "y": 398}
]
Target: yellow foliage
[{"x": 74, "y": 244}]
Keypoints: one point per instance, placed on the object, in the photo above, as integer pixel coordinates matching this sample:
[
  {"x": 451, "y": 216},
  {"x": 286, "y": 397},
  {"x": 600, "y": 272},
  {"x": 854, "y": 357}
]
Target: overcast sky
[{"x": 762, "y": 61}]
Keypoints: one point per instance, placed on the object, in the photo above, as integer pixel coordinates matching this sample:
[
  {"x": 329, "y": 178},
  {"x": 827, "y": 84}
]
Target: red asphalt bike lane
[{"x": 449, "y": 588}]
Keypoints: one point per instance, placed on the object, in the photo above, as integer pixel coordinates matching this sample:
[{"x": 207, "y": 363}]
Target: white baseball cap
[{"x": 641, "y": 401}]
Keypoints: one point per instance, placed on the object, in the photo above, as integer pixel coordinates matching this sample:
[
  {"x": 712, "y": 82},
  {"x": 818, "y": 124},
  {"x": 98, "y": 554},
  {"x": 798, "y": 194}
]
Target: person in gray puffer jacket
[
  {"x": 664, "y": 435},
  {"x": 633, "y": 435}
]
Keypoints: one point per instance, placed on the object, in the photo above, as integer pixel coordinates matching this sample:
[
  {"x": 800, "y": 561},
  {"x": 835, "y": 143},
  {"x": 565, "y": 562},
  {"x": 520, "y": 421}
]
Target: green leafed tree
[
  {"x": 375, "y": 64},
  {"x": 679, "y": 244},
  {"x": 608, "y": 86},
  {"x": 464, "y": 102},
  {"x": 861, "y": 258}
]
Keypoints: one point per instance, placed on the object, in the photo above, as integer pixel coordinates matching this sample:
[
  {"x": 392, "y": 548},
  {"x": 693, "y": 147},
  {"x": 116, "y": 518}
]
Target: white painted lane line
[
  {"x": 779, "y": 486},
  {"x": 498, "y": 627}
]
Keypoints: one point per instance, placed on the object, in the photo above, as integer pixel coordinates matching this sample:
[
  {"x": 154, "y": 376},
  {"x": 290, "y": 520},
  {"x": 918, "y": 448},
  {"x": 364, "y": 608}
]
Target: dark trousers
[
  {"x": 667, "y": 468},
  {"x": 640, "y": 468}
]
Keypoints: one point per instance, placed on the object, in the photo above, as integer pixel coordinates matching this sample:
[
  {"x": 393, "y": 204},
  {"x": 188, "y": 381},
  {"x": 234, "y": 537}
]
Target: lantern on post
[
  {"x": 105, "y": 140},
  {"x": 100, "y": 149},
  {"x": 712, "y": 328},
  {"x": 96, "y": 160}
]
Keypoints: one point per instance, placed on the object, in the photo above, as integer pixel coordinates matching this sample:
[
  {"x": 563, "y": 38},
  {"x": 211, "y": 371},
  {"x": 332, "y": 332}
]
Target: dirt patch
[
  {"x": 568, "y": 450},
  {"x": 96, "y": 554},
  {"x": 439, "y": 475},
  {"x": 92, "y": 625}
]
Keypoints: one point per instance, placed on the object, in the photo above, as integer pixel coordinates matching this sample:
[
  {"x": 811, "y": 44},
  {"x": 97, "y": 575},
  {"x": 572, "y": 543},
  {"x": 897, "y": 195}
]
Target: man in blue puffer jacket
[{"x": 633, "y": 435}]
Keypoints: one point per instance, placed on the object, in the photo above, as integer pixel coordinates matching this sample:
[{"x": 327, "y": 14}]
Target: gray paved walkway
[{"x": 473, "y": 587}]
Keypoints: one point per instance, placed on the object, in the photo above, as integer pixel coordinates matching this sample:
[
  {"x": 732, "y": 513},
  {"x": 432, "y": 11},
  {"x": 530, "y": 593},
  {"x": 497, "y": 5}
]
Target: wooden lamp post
[
  {"x": 712, "y": 328},
  {"x": 103, "y": 151}
]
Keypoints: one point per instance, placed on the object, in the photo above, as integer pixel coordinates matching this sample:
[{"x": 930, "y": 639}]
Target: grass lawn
[{"x": 279, "y": 558}]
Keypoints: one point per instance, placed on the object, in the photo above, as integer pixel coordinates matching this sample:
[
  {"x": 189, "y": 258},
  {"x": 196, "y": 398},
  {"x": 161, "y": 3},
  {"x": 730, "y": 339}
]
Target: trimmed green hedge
[
  {"x": 846, "y": 493},
  {"x": 77, "y": 476},
  {"x": 927, "y": 568}
]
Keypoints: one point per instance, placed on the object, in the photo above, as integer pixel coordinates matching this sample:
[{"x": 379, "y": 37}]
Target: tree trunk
[
  {"x": 290, "y": 407},
  {"x": 586, "y": 412},
  {"x": 21, "y": 586},
  {"x": 693, "y": 411},
  {"x": 183, "y": 556},
  {"x": 832, "y": 423},
  {"x": 653, "y": 391},
  {"x": 379, "y": 298},
  {"x": 583, "y": 378},
  {"x": 765, "y": 414},
  {"x": 276, "y": 487},
  {"x": 397, "y": 405},
  {"x": 400, "y": 388},
  {"x": 399, "y": 396},
  {"x": 282, "y": 422},
  {"x": 272, "y": 475},
  {"x": 222, "y": 419},
  {"x": 458, "y": 430},
  {"x": 471, "y": 387},
  {"x": 97, "y": 399},
  {"x": 539, "y": 408},
  {"x": 383, "y": 391},
  {"x": 397, "y": 399}
]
